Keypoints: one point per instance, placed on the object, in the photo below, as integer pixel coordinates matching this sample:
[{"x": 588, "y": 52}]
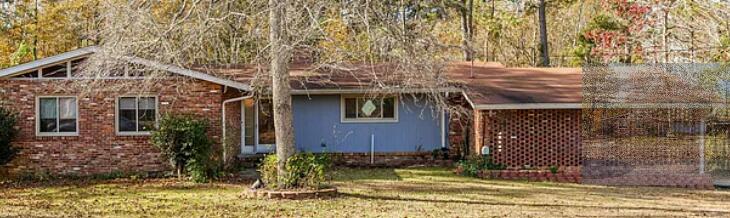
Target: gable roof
[
  {"x": 86, "y": 51},
  {"x": 350, "y": 78}
]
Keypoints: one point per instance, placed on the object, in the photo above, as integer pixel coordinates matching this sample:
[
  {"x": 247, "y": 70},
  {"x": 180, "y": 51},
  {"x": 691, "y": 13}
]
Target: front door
[{"x": 257, "y": 134}]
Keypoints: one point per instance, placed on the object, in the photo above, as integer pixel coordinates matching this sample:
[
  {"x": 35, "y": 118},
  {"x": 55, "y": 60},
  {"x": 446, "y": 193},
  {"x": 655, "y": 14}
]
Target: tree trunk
[
  {"x": 179, "y": 171},
  {"x": 665, "y": 35},
  {"x": 280, "y": 86},
  {"x": 543, "y": 35},
  {"x": 466, "y": 24}
]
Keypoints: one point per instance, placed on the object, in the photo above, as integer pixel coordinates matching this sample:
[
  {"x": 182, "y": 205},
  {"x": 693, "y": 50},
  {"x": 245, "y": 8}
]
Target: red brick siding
[
  {"x": 538, "y": 138},
  {"x": 98, "y": 149}
]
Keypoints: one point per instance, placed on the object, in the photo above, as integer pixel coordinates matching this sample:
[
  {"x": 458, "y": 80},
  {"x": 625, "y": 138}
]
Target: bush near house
[
  {"x": 304, "y": 170},
  {"x": 7, "y": 133},
  {"x": 474, "y": 164},
  {"x": 184, "y": 141}
]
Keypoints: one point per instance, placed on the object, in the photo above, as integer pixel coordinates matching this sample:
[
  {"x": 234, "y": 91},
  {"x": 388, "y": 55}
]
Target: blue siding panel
[{"x": 318, "y": 127}]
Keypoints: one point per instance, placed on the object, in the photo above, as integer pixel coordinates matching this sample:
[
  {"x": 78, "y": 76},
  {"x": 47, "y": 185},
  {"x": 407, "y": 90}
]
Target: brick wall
[
  {"x": 538, "y": 138},
  {"x": 97, "y": 148}
]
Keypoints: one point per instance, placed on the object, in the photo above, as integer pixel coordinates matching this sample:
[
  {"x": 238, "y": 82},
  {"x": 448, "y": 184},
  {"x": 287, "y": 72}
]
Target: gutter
[{"x": 223, "y": 120}]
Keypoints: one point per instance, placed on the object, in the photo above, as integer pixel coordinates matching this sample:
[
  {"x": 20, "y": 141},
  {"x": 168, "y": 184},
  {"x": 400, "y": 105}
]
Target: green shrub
[
  {"x": 474, "y": 164},
  {"x": 554, "y": 169},
  {"x": 304, "y": 170},
  {"x": 440, "y": 154},
  {"x": 184, "y": 141},
  {"x": 7, "y": 133}
]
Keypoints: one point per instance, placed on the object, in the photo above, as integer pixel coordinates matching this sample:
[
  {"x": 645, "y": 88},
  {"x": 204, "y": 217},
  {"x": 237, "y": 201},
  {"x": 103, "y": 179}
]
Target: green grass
[{"x": 418, "y": 192}]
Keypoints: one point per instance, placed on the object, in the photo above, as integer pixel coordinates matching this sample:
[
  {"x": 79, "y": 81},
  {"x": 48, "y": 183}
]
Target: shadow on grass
[
  {"x": 494, "y": 203},
  {"x": 353, "y": 174}
]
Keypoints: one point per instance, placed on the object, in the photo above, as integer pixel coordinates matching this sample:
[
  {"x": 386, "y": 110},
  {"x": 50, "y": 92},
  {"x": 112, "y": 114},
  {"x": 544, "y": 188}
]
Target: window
[
  {"x": 136, "y": 115},
  {"x": 57, "y": 116},
  {"x": 267, "y": 135},
  {"x": 55, "y": 71},
  {"x": 369, "y": 109}
]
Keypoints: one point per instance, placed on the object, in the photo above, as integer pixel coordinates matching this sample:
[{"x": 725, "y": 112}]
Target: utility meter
[{"x": 485, "y": 150}]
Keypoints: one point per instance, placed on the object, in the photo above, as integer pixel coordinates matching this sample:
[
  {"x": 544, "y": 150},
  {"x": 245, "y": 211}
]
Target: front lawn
[{"x": 371, "y": 193}]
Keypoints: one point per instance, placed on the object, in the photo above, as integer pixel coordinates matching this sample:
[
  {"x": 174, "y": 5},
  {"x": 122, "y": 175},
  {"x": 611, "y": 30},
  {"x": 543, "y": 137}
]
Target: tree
[
  {"x": 467, "y": 23},
  {"x": 183, "y": 140},
  {"x": 7, "y": 134},
  {"x": 280, "y": 53},
  {"x": 543, "y": 35},
  {"x": 183, "y": 33}
]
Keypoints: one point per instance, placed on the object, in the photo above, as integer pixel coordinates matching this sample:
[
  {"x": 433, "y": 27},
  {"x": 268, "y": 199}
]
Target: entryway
[{"x": 257, "y": 134}]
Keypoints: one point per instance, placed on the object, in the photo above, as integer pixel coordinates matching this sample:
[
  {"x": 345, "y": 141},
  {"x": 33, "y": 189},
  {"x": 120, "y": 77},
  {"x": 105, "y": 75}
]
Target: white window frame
[
  {"x": 135, "y": 133},
  {"x": 58, "y": 108},
  {"x": 344, "y": 119}
]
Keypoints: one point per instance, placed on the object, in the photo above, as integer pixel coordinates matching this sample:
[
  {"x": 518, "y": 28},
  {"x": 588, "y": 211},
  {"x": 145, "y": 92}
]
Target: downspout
[{"x": 223, "y": 119}]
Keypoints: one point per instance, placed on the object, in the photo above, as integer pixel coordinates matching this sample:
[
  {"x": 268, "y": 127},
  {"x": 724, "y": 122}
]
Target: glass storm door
[
  {"x": 248, "y": 127},
  {"x": 258, "y": 134}
]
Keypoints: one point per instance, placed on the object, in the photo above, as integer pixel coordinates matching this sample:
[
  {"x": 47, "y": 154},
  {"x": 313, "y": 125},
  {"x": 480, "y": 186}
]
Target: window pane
[
  {"x": 369, "y": 108},
  {"x": 147, "y": 103},
  {"x": 146, "y": 120},
  {"x": 67, "y": 125},
  {"x": 128, "y": 103},
  {"x": 266, "y": 123},
  {"x": 135, "y": 70},
  {"x": 127, "y": 121},
  {"x": 48, "y": 114},
  {"x": 48, "y": 125},
  {"x": 350, "y": 108},
  {"x": 31, "y": 74},
  {"x": 77, "y": 66},
  {"x": 67, "y": 116},
  {"x": 48, "y": 108},
  {"x": 249, "y": 121},
  {"x": 389, "y": 108},
  {"x": 67, "y": 108},
  {"x": 55, "y": 71}
]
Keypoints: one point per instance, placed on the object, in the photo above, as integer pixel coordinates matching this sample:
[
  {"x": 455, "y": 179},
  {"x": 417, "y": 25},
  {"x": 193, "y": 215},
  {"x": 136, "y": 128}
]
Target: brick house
[
  {"x": 67, "y": 130},
  {"x": 522, "y": 117}
]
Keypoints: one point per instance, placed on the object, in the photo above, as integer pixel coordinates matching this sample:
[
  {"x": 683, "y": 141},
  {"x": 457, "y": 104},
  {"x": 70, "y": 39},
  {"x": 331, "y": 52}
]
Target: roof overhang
[
  {"x": 86, "y": 51},
  {"x": 527, "y": 106},
  {"x": 367, "y": 91},
  {"x": 22, "y": 68}
]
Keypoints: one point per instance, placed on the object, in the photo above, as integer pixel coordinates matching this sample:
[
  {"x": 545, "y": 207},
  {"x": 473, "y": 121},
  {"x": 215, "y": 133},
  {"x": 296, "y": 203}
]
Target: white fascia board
[
  {"x": 529, "y": 106},
  {"x": 189, "y": 73}
]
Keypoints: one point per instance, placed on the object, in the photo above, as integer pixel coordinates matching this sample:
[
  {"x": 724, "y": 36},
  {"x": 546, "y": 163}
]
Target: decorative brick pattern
[
  {"x": 535, "y": 138},
  {"x": 97, "y": 148}
]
